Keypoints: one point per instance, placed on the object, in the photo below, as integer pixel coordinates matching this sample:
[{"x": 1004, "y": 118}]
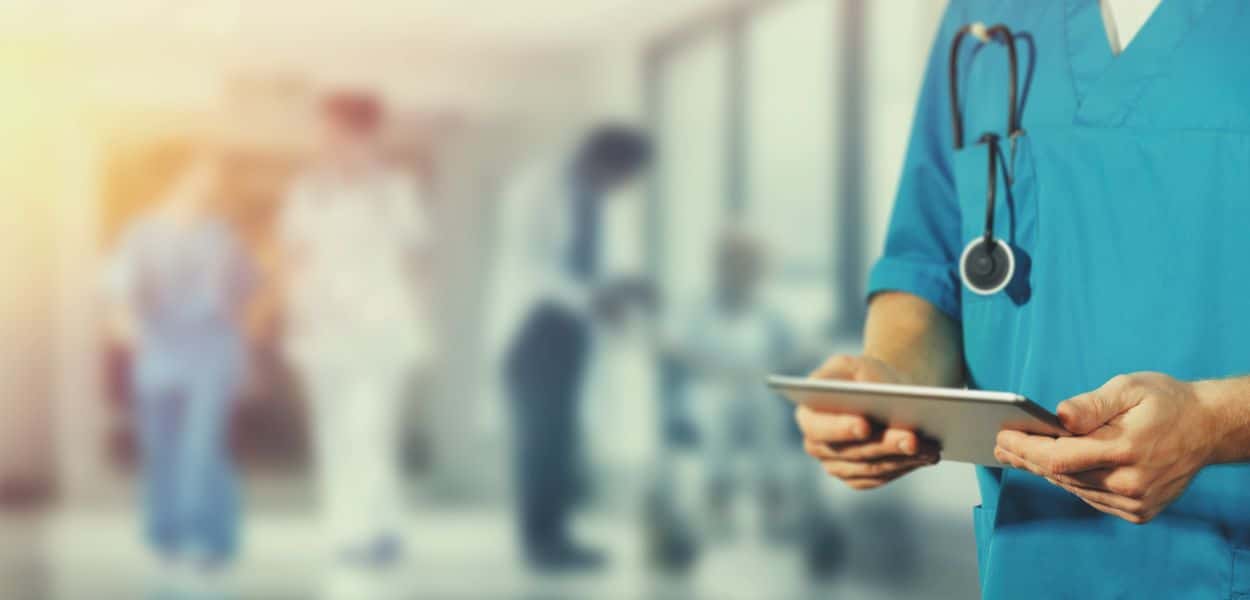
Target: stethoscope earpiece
[{"x": 986, "y": 266}]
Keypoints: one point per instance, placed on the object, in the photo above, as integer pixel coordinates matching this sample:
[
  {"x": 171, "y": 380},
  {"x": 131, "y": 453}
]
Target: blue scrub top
[
  {"x": 186, "y": 286},
  {"x": 1129, "y": 212}
]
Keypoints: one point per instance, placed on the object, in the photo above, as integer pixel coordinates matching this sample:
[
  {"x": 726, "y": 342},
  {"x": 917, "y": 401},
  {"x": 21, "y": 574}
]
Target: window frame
[{"x": 849, "y": 253}]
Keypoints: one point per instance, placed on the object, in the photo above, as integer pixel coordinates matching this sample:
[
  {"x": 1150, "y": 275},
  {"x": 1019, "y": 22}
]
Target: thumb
[
  {"x": 1086, "y": 412},
  {"x": 841, "y": 366}
]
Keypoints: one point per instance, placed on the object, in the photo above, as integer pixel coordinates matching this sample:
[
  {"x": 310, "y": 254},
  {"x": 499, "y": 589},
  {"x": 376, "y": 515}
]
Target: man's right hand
[{"x": 864, "y": 456}]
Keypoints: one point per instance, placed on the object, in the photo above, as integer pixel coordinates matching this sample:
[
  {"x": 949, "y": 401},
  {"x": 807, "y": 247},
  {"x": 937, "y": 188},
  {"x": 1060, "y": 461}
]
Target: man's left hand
[{"x": 1138, "y": 441}]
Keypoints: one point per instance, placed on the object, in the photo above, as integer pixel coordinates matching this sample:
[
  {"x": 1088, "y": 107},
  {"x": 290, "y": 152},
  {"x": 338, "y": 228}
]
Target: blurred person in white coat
[
  {"x": 548, "y": 293},
  {"x": 355, "y": 242}
]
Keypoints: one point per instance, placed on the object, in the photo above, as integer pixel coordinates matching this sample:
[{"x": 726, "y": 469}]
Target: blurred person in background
[
  {"x": 726, "y": 344},
  {"x": 354, "y": 240},
  {"x": 179, "y": 282},
  {"x": 548, "y": 293}
]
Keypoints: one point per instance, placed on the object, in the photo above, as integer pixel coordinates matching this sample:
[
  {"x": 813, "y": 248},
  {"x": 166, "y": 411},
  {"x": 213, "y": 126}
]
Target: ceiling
[
  {"x": 475, "y": 23},
  {"x": 479, "y": 57}
]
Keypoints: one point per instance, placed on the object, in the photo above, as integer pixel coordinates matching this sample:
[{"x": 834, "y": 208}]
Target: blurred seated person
[
  {"x": 548, "y": 294},
  {"x": 726, "y": 345},
  {"x": 354, "y": 243},
  {"x": 178, "y": 284}
]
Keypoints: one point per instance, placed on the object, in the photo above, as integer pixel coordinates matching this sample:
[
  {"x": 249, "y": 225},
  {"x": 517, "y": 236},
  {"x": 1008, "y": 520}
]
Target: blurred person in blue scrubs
[
  {"x": 179, "y": 283},
  {"x": 355, "y": 245},
  {"x": 1127, "y": 208},
  {"x": 726, "y": 344},
  {"x": 548, "y": 294}
]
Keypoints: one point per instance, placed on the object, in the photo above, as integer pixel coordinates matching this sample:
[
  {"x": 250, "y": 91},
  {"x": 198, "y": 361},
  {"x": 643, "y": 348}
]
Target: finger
[
  {"x": 840, "y": 366},
  {"x": 890, "y": 442},
  {"x": 1021, "y": 462},
  {"x": 1124, "y": 481},
  {"x": 818, "y": 450},
  {"x": 1083, "y": 413},
  {"x": 903, "y": 441},
  {"x": 1006, "y": 455},
  {"x": 1108, "y": 499},
  {"x": 831, "y": 428},
  {"x": 864, "y": 451},
  {"x": 1094, "y": 479},
  {"x": 868, "y": 483},
  {"x": 1007, "y": 458},
  {"x": 855, "y": 368},
  {"x": 1062, "y": 455},
  {"x": 1086, "y": 412},
  {"x": 887, "y": 467},
  {"x": 883, "y": 442},
  {"x": 1115, "y": 512},
  {"x": 1011, "y": 460}
]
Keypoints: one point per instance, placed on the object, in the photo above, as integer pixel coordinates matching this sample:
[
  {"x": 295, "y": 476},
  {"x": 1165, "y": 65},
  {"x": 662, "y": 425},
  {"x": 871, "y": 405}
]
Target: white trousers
[{"x": 356, "y": 420}]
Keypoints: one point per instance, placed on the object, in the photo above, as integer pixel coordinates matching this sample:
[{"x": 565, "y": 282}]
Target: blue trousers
[
  {"x": 545, "y": 372},
  {"x": 191, "y": 504}
]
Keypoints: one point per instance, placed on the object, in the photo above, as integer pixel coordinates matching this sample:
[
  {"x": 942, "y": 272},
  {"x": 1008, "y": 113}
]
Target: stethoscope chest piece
[{"x": 987, "y": 265}]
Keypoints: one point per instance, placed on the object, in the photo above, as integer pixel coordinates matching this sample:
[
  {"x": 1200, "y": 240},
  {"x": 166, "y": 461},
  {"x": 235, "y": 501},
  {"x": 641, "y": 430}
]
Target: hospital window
[
  {"x": 747, "y": 107},
  {"x": 691, "y": 165}
]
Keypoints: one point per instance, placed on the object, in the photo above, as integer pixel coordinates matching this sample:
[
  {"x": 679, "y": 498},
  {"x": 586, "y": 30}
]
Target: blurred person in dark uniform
[{"x": 551, "y": 291}]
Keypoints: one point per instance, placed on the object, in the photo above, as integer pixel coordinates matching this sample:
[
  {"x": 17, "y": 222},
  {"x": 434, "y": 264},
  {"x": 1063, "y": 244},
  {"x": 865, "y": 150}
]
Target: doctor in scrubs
[
  {"x": 1126, "y": 202},
  {"x": 356, "y": 242},
  {"x": 179, "y": 283}
]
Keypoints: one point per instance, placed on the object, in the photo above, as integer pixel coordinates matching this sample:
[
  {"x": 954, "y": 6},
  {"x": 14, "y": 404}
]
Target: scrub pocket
[
  {"x": 982, "y": 527},
  {"x": 1241, "y": 575}
]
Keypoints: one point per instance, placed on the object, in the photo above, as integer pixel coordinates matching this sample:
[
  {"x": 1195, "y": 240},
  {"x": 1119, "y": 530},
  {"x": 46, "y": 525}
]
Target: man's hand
[
  {"x": 1139, "y": 440},
  {"x": 849, "y": 447}
]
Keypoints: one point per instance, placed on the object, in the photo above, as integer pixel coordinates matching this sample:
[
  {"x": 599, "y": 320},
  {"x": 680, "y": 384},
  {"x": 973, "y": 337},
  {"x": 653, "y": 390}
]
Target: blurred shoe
[
  {"x": 825, "y": 549},
  {"x": 209, "y": 576},
  {"x": 671, "y": 541},
  {"x": 673, "y": 548},
  {"x": 719, "y": 522},
  {"x": 777, "y": 515},
  {"x": 167, "y": 577},
  {"x": 565, "y": 556},
  {"x": 383, "y": 551}
]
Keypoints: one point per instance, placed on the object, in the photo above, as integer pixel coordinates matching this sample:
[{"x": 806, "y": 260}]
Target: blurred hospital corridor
[
  {"x": 447, "y": 299},
  {"x": 455, "y": 553}
]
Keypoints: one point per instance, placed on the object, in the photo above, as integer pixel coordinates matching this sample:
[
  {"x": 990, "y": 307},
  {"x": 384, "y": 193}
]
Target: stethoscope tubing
[{"x": 985, "y": 35}]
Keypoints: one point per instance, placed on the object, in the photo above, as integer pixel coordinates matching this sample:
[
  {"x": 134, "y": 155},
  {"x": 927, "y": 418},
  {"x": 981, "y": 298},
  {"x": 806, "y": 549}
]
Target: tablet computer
[{"x": 963, "y": 422}]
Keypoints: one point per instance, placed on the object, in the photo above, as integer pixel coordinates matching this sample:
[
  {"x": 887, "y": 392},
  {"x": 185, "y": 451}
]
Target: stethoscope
[{"x": 987, "y": 263}]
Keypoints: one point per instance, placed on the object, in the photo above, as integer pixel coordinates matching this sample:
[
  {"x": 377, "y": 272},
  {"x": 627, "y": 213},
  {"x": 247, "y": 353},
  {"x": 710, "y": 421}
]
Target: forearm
[
  {"x": 1227, "y": 402},
  {"x": 915, "y": 338}
]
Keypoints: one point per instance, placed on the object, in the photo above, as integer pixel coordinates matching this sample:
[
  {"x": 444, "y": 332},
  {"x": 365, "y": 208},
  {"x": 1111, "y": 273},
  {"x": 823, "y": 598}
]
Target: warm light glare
[{"x": 254, "y": 347}]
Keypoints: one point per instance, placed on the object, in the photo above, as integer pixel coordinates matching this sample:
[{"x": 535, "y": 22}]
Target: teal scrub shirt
[{"x": 1129, "y": 213}]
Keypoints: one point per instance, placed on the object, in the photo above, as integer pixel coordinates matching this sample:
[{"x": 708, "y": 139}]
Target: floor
[{"x": 470, "y": 554}]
